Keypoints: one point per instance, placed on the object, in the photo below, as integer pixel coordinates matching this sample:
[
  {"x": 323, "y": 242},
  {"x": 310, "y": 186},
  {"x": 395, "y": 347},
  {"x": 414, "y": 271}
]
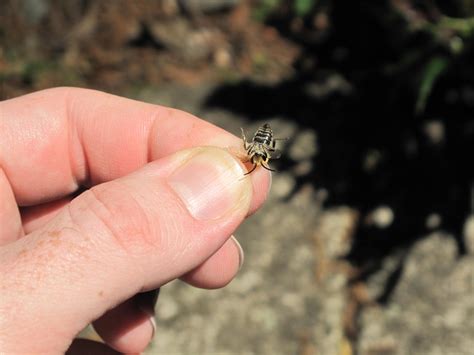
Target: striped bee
[{"x": 262, "y": 147}]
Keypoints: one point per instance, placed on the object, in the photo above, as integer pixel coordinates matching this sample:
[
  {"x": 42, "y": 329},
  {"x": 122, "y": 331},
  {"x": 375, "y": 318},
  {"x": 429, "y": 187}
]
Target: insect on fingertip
[{"x": 262, "y": 148}]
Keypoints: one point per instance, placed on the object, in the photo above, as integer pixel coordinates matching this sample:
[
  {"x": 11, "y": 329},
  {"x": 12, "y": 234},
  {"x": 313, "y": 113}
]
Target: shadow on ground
[{"x": 359, "y": 96}]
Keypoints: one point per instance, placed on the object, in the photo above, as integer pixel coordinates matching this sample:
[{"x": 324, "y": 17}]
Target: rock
[
  {"x": 304, "y": 146},
  {"x": 431, "y": 309},
  {"x": 433, "y": 221},
  {"x": 332, "y": 240},
  {"x": 303, "y": 168},
  {"x": 170, "y": 7},
  {"x": 282, "y": 185},
  {"x": 468, "y": 233},
  {"x": 435, "y": 131},
  {"x": 34, "y": 10},
  {"x": 333, "y": 84},
  {"x": 377, "y": 283},
  {"x": 372, "y": 160},
  {"x": 180, "y": 37},
  {"x": 222, "y": 57},
  {"x": 381, "y": 217}
]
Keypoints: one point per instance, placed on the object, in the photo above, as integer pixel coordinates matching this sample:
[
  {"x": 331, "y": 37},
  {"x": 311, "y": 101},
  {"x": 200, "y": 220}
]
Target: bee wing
[
  {"x": 243, "y": 134},
  {"x": 276, "y": 154}
]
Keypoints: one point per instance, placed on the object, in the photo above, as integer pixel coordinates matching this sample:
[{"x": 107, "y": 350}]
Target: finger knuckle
[{"x": 124, "y": 218}]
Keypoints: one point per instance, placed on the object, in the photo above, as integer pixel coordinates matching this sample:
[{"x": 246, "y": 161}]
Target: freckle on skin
[
  {"x": 101, "y": 293},
  {"x": 55, "y": 242},
  {"x": 54, "y": 233},
  {"x": 23, "y": 253}
]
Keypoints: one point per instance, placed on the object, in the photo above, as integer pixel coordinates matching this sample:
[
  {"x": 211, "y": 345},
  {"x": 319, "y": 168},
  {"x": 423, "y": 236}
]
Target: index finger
[{"x": 56, "y": 140}]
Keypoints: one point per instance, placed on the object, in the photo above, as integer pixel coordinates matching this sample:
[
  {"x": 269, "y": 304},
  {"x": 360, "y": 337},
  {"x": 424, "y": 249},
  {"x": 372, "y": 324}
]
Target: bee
[{"x": 262, "y": 147}]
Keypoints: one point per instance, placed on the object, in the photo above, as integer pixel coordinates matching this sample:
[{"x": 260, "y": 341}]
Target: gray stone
[
  {"x": 282, "y": 185},
  {"x": 304, "y": 145},
  {"x": 469, "y": 234},
  {"x": 34, "y": 10},
  {"x": 181, "y": 38},
  {"x": 435, "y": 131},
  {"x": 431, "y": 311},
  {"x": 380, "y": 217},
  {"x": 334, "y": 83}
]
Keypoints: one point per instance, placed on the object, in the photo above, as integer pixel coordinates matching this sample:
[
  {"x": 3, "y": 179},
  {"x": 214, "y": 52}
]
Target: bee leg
[
  {"x": 246, "y": 144},
  {"x": 268, "y": 152},
  {"x": 254, "y": 167},
  {"x": 267, "y": 158},
  {"x": 268, "y": 168}
]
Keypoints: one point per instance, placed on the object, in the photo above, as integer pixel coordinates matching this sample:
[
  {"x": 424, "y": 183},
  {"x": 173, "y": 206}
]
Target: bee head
[{"x": 259, "y": 158}]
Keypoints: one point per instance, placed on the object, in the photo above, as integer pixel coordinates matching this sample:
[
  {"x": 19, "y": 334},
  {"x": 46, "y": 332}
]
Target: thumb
[{"x": 117, "y": 239}]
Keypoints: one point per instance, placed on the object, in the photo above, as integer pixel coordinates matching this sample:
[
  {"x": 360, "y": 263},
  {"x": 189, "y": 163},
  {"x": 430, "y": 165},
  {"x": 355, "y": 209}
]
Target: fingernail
[
  {"x": 146, "y": 303},
  {"x": 152, "y": 323},
  {"x": 210, "y": 184},
  {"x": 153, "y": 326},
  {"x": 240, "y": 250}
]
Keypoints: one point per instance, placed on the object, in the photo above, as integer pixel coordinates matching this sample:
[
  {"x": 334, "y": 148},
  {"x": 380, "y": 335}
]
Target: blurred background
[{"x": 366, "y": 243}]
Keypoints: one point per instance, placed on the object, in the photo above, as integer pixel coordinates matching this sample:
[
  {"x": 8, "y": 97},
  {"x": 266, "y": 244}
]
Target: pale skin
[{"x": 68, "y": 260}]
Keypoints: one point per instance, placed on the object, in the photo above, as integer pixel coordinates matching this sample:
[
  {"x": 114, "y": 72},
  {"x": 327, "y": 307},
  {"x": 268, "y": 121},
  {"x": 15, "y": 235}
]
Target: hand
[{"x": 158, "y": 208}]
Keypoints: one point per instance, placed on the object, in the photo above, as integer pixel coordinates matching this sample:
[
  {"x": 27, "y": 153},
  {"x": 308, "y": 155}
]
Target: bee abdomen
[{"x": 264, "y": 135}]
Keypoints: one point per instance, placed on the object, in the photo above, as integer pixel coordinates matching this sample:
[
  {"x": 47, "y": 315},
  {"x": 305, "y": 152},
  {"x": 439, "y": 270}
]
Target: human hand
[{"x": 158, "y": 209}]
